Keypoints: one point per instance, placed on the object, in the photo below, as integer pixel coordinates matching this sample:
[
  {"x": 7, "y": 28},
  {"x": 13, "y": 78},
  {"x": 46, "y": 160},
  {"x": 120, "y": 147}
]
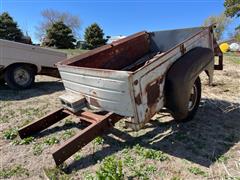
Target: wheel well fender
[
  {"x": 181, "y": 77},
  {"x": 34, "y": 67}
]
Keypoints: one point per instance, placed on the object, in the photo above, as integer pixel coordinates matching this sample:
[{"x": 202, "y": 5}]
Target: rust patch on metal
[
  {"x": 94, "y": 102},
  {"x": 138, "y": 99},
  {"x": 149, "y": 113},
  {"x": 153, "y": 91},
  {"x": 135, "y": 82},
  {"x": 182, "y": 49}
]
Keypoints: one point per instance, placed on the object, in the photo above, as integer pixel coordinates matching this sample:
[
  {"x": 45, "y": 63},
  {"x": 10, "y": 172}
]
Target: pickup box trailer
[
  {"x": 19, "y": 63},
  {"x": 134, "y": 77}
]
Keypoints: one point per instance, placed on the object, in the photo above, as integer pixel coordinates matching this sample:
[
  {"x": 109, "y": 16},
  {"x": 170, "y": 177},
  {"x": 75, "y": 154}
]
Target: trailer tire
[
  {"x": 194, "y": 100},
  {"x": 19, "y": 76}
]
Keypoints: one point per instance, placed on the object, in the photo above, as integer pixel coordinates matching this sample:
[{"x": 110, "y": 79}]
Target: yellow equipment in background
[{"x": 224, "y": 47}]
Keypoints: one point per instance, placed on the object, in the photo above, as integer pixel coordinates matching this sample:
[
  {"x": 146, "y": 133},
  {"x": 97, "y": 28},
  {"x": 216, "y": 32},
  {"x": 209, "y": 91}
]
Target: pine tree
[
  {"x": 59, "y": 35},
  {"x": 9, "y": 29},
  {"x": 94, "y": 36}
]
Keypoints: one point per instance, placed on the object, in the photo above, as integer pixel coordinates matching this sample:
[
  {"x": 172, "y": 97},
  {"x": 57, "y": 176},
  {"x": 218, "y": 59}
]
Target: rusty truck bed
[{"x": 127, "y": 77}]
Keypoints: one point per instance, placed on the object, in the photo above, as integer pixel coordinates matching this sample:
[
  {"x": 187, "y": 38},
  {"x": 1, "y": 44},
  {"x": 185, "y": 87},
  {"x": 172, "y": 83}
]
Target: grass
[
  {"x": 51, "y": 140},
  {"x": 68, "y": 134},
  {"x": 129, "y": 160},
  {"x": 56, "y": 174},
  {"x": 223, "y": 158},
  {"x": 37, "y": 149},
  {"x": 144, "y": 171},
  {"x": 10, "y": 134},
  {"x": 26, "y": 122},
  {"x": 77, "y": 156},
  {"x": 24, "y": 141},
  {"x": 111, "y": 168},
  {"x": 197, "y": 171},
  {"x": 68, "y": 122},
  {"x": 16, "y": 170},
  {"x": 175, "y": 178},
  {"x": 7, "y": 115},
  {"x": 98, "y": 141},
  {"x": 150, "y": 153},
  {"x": 233, "y": 56},
  {"x": 32, "y": 112}
]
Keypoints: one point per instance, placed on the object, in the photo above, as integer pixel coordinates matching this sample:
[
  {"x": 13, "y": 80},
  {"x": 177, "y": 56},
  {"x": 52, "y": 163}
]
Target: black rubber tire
[
  {"x": 12, "y": 83},
  {"x": 193, "y": 111},
  {"x": 2, "y": 81}
]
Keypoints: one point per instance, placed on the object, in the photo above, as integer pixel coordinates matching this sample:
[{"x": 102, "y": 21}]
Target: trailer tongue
[
  {"x": 134, "y": 77},
  {"x": 97, "y": 124}
]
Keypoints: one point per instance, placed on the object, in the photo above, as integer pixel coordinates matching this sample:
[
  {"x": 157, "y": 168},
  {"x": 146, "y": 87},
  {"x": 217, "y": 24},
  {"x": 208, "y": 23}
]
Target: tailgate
[{"x": 103, "y": 89}]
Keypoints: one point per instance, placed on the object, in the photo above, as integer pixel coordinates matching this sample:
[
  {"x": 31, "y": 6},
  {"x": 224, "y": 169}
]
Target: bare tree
[
  {"x": 51, "y": 16},
  {"x": 221, "y": 22}
]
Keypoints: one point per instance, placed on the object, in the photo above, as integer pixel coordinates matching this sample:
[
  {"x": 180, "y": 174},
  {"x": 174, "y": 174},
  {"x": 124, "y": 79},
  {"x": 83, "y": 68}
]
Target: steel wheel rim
[
  {"x": 21, "y": 76},
  {"x": 193, "y": 98}
]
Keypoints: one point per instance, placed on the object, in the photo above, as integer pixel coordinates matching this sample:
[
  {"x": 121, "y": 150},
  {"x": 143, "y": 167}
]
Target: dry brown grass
[{"x": 206, "y": 148}]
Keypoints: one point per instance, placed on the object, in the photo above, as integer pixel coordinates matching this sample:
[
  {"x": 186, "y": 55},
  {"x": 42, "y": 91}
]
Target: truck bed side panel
[
  {"x": 108, "y": 90},
  {"x": 149, "y": 91}
]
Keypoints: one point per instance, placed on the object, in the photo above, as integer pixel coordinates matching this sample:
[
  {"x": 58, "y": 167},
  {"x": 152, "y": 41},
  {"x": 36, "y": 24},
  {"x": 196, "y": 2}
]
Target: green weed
[
  {"x": 150, "y": 153},
  {"x": 129, "y": 160},
  {"x": 10, "y": 134},
  {"x": 89, "y": 176},
  {"x": 77, "y": 156},
  {"x": 56, "y": 174},
  {"x": 111, "y": 169},
  {"x": 16, "y": 170},
  {"x": 68, "y": 122},
  {"x": 98, "y": 140},
  {"x": 144, "y": 171},
  {"x": 68, "y": 134},
  {"x": 51, "y": 141},
  {"x": 37, "y": 149},
  {"x": 24, "y": 141},
  {"x": 197, "y": 171},
  {"x": 175, "y": 178},
  {"x": 31, "y": 112},
  {"x": 26, "y": 122},
  {"x": 223, "y": 158}
]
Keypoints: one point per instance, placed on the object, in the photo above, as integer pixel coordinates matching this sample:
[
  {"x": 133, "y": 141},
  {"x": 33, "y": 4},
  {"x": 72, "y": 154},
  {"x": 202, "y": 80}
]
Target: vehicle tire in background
[
  {"x": 19, "y": 76},
  {"x": 2, "y": 81},
  {"x": 194, "y": 101}
]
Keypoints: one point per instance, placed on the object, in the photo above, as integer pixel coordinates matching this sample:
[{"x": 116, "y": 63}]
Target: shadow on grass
[
  {"x": 56, "y": 129},
  {"x": 38, "y": 89},
  {"x": 213, "y": 131}
]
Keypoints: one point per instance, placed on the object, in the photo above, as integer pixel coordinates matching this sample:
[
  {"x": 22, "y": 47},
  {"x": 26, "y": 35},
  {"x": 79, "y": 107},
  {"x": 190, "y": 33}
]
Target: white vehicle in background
[{"x": 19, "y": 63}]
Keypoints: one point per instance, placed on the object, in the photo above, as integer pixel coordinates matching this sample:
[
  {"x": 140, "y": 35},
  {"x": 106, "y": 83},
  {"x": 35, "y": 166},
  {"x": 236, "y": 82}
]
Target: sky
[{"x": 123, "y": 17}]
